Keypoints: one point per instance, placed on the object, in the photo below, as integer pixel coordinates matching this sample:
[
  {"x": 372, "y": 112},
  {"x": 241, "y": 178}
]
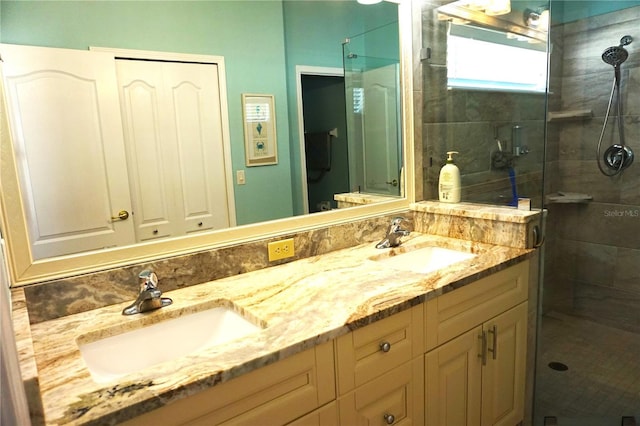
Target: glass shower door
[{"x": 588, "y": 355}]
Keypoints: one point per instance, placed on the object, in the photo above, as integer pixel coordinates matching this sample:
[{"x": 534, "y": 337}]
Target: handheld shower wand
[{"x": 618, "y": 156}]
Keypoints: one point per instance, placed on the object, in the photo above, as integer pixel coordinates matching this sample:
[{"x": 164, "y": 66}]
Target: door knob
[
  {"x": 393, "y": 182},
  {"x": 122, "y": 215}
]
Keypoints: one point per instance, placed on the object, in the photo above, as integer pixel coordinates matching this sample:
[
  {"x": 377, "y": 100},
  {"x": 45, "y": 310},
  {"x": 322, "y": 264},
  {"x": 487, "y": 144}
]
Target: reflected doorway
[{"x": 325, "y": 148}]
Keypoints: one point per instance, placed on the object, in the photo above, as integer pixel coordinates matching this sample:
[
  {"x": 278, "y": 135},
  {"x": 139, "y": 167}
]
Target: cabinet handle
[
  {"x": 494, "y": 349},
  {"x": 389, "y": 418},
  {"x": 483, "y": 347},
  {"x": 385, "y": 347}
]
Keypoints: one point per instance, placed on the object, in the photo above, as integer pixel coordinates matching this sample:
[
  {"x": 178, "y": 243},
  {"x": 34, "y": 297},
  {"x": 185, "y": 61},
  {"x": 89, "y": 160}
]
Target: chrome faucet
[
  {"x": 394, "y": 232},
  {"x": 150, "y": 296}
]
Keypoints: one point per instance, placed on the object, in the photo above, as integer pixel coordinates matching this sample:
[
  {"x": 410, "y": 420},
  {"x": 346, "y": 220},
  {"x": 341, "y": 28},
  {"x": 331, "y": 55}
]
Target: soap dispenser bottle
[{"x": 449, "y": 183}]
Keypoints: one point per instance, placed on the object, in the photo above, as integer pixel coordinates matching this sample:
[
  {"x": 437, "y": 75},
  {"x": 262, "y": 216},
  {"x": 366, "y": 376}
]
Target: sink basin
[
  {"x": 118, "y": 355},
  {"x": 422, "y": 260}
]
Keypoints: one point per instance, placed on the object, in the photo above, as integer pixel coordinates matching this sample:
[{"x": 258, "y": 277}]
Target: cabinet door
[
  {"x": 456, "y": 312},
  {"x": 175, "y": 147},
  {"x": 503, "y": 378},
  {"x": 146, "y": 132},
  {"x": 453, "y": 381},
  {"x": 394, "y": 398},
  {"x": 67, "y": 132}
]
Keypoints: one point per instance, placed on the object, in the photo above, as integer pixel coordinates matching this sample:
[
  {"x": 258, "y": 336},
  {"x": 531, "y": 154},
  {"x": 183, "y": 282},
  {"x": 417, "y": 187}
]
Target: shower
[{"x": 618, "y": 156}]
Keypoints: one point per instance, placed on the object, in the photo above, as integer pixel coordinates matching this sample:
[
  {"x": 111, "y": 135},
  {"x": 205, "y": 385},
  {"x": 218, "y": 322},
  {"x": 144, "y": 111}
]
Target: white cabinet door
[
  {"x": 66, "y": 127},
  {"x": 453, "y": 382},
  {"x": 173, "y": 129},
  {"x": 503, "y": 378},
  {"x": 465, "y": 387}
]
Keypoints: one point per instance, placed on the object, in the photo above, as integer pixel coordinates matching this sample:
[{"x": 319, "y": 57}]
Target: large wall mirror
[{"x": 270, "y": 49}]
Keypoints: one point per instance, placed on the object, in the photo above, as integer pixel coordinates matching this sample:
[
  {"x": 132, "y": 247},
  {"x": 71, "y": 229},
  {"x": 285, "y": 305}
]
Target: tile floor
[{"x": 602, "y": 382}]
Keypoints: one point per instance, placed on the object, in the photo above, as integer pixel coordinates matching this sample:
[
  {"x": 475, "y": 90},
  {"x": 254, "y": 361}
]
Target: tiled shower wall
[
  {"x": 467, "y": 121},
  {"x": 593, "y": 249}
]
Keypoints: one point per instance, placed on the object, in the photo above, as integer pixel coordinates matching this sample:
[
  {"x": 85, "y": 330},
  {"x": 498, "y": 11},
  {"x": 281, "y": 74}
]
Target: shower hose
[{"x": 615, "y": 89}]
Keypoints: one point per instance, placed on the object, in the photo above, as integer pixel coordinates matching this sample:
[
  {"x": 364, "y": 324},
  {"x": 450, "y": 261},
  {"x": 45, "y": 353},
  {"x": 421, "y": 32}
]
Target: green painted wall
[{"x": 249, "y": 34}]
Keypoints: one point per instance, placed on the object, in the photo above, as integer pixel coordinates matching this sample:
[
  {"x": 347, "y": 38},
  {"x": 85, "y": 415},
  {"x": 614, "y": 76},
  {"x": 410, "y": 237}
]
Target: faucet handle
[
  {"x": 148, "y": 280},
  {"x": 397, "y": 220}
]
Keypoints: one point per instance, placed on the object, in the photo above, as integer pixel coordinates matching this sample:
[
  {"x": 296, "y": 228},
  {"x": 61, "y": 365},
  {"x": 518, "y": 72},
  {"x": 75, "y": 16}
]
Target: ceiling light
[{"x": 369, "y": 1}]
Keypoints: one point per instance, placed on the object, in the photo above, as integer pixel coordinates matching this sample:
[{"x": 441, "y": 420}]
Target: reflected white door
[
  {"x": 173, "y": 131},
  {"x": 65, "y": 124},
  {"x": 380, "y": 131}
]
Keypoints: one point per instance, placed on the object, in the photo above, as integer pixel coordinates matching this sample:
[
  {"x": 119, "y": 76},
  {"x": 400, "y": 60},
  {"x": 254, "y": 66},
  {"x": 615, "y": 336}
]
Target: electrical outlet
[{"x": 281, "y": 249}]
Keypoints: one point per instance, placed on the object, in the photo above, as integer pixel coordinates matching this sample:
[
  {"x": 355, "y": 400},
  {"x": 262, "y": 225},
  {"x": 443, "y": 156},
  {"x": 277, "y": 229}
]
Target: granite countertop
[{"x": 301, "y": 304}]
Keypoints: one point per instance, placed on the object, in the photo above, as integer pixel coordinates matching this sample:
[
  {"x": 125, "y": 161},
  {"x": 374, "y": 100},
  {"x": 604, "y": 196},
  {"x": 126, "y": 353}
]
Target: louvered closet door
[
  {"x": 173, "y": 129},
  {"x": 67, "y": 133}
]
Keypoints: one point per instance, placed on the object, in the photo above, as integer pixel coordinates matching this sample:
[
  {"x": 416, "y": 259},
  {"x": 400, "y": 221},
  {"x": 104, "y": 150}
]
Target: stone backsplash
[
  {"x": 61, "y": 297},
  {"x": 482, "y": 223},
  {"x": 505, "y": 226}
]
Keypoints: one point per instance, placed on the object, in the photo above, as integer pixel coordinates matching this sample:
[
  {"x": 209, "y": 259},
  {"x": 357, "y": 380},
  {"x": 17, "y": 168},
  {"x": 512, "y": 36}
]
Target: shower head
[{"x": 615, "y": 55}]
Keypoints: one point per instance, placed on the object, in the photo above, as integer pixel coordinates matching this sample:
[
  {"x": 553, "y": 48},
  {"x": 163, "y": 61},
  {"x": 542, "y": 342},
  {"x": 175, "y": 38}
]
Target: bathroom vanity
[
  {"x": 401, "y": 368},
  {"x": 343, "y": 336}
]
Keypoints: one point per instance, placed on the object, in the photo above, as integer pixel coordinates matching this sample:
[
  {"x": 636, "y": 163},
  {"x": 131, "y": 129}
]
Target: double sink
[{"x": 113, "y": 353}]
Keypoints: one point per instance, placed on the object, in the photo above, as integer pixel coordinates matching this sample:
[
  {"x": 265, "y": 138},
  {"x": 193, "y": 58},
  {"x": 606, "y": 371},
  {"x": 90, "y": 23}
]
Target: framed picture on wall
[{"x": 260, "y": 142}]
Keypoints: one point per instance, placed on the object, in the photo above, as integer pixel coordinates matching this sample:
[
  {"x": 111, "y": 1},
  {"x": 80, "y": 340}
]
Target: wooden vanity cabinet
[
  {"x": 273, "y": 395},
  {"x": 325, "y": 415},
  {"x": 473, "y": 371},
  {"x": 477, "y": 336}
]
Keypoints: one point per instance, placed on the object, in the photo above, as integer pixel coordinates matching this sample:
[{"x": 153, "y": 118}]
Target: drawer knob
[
  {"x": 385, "y": 347},
  {"x": 389, "y": 418}
]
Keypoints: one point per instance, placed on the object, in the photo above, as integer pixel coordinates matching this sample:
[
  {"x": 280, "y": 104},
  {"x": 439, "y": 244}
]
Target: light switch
[{"x": 240, "y": 177}]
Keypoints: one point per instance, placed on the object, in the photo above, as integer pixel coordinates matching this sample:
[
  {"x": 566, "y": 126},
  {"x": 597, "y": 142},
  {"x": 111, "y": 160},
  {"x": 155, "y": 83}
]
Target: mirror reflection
[
  {"x": 485, "y": 73},
  {"x": 183, "y": 166}
]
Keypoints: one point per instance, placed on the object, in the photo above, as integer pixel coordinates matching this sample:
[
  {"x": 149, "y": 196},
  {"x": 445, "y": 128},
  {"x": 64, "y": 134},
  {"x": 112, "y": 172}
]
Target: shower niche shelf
[
  {"x": 562, "y": 197},
  {"x": 569, "y": 115}
]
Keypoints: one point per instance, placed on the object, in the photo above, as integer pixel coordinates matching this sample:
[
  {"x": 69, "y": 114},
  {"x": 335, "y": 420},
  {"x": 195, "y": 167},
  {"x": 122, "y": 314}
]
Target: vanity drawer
[
  {"x": 325, "y": 415},
  {"x": 454, "y": 313},
  {"x": 280, "y": 392},
  {"x": 368, "y": 352},
  {"x": 396, "y": 397}
]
